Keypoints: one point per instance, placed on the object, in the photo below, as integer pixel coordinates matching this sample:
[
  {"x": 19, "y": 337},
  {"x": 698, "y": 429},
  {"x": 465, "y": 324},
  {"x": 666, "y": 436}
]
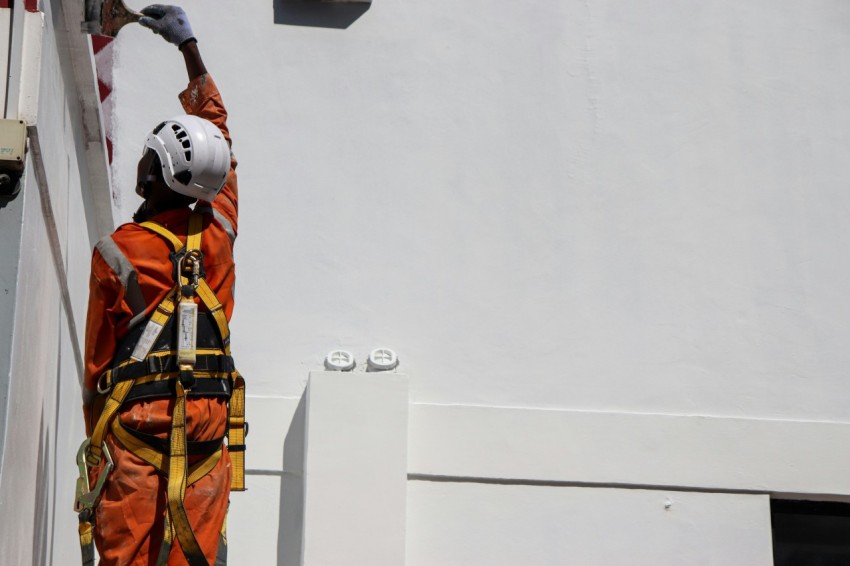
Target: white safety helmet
[{"x": 195, "y": 156}]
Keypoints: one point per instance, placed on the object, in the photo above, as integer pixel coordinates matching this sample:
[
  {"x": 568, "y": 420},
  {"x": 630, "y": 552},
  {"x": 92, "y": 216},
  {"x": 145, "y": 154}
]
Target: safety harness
[{"x": 177, "y": 352}]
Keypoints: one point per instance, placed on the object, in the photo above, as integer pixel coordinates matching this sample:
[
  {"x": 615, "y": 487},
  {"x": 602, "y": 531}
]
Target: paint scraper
[{"x": 107, "y": 17}]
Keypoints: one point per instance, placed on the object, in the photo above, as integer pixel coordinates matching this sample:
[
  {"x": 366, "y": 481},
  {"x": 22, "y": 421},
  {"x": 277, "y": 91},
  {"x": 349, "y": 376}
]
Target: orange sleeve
[
  {"x": 107, "y": 309},
  {"x": 201, "y": 98}
]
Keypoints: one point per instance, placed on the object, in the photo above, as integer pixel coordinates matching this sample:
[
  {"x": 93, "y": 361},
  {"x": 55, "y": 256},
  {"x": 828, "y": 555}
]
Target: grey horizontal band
[{"x": 125, "y": 272}]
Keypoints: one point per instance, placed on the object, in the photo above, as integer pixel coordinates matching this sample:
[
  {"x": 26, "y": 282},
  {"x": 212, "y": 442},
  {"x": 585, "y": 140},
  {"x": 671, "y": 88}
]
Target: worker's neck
[{"x": 148, "y": 210}]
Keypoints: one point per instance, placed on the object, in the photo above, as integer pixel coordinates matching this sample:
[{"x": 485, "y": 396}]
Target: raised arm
[{"x": 192, "y": 57}]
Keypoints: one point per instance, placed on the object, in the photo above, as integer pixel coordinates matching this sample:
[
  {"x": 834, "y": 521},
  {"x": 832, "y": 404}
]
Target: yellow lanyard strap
[{"x": 236, "y": 434}]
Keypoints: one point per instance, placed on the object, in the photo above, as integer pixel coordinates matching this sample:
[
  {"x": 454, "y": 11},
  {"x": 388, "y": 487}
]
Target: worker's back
[{"x": 149, "y": 254}]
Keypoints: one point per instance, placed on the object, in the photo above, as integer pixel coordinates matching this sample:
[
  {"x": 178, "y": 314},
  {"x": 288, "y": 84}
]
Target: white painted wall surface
[
  {"x": 597, "y": 205},
  {"x": 43, "y": 417},
  {"x": 27, "y": 474},
  {"x": 504, "y": 525},
  {"x": 354, "y": 470}
]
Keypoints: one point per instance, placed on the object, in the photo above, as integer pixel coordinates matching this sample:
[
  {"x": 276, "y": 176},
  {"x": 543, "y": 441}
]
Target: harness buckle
[
  {"x": 86, "y": 499},
  {"x": 157, "y": 364},
  {"x": 187, "y": 377}
]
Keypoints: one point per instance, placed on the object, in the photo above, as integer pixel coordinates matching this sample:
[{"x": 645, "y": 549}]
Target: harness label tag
[
  {"x": 187, "y": 332},
  {"x": 145, "y": 343}
]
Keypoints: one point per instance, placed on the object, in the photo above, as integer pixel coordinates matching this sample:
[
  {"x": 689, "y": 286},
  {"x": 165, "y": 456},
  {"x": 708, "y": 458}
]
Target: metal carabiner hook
[
  {"x": 86, "y": 498},
  {"x": 190, "y": 267}
]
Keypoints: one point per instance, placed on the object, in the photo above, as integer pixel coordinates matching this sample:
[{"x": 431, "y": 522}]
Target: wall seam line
[
  {"x": 595, "y": 485},
  {"x": 55, "y": 246}
]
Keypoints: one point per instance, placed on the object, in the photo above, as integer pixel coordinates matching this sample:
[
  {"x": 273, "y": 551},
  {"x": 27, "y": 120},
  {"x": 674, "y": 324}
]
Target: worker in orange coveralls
[{"x": 137, "y": 274}]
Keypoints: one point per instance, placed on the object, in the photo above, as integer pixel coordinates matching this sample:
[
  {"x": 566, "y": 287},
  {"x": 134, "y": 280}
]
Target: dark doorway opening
[{"x": 810, "y": 533}]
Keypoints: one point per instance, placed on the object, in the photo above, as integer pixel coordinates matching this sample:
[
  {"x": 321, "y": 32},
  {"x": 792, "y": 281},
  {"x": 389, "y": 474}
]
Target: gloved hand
[{"x": 170, "y": 22}]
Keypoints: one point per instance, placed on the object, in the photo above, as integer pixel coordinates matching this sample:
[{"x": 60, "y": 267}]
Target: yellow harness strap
[
  {"x": 165, "y": 233},
  {"x": 159, "y": 460},
  {"x": 110, "y": 409},
  {"x": 177, "y": 481},
  {"x": 236, "y": 419},
  {"x": 177, "y": 521},
  {"x": 217, "y": 310},
  {"x": 207, "y": 296}
]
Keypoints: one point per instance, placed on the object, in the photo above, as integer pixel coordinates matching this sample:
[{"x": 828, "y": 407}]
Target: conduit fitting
[
  {"x": 340, "y": 360},
  {"x": 13, "y": 148},
  {"x": 382, "y": 359}
]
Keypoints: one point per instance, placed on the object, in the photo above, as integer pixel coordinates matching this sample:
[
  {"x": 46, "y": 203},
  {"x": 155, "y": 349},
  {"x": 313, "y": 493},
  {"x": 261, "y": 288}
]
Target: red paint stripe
[
  {"x": 103, "y": 90},
  {"x": 99, "y": 42},
  {"x": 31, "y": 5},
  {"x": 5, "y": 3}
]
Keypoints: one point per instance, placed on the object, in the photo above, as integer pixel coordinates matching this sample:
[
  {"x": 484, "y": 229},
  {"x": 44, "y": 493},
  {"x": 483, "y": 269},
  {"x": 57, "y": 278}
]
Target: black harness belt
[
  {"x": 193, "y": 447},
  {"x": 210, "y": 387},
  {"x": 212, "y": 363}
]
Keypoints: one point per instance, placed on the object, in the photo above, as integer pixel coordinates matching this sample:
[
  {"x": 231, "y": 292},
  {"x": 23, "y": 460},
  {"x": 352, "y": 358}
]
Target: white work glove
[{"x": 170, "y": 22}]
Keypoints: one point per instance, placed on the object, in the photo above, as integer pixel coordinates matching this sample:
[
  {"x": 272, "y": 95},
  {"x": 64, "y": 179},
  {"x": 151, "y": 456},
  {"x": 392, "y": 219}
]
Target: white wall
[
  {"x": 604, "y": 205},
  {"x": 43, "y": 417},
  {"x": 461, "y": 524}
]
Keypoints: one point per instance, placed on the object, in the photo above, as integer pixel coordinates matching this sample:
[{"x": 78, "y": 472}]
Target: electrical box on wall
[{"x": 13, "y": 147}]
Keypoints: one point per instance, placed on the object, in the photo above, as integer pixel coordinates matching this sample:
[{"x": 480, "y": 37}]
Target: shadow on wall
[
  {"x": 314, "y": 13},
  {"x": 41, "y": 516},
  {"x": 291, "y": 520}
]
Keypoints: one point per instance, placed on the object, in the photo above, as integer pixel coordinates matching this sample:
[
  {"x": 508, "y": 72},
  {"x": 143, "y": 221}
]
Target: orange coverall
[{"x": 130, "y": 517}]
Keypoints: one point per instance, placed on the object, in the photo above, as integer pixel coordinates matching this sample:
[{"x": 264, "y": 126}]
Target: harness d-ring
[{"x": 104, "y": 378}]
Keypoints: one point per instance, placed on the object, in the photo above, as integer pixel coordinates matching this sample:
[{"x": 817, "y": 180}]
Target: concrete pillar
[{"x": 354, "y": 470}]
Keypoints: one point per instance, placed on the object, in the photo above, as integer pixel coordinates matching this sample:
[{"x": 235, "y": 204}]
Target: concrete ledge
[
  {"x": 619, "y": 449},
  {"x": 344, "y": 458},
  {"x": 505, "y": 445}
]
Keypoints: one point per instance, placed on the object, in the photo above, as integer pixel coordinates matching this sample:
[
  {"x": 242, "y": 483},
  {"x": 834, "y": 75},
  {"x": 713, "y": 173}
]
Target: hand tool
[{"x": 107, "y": 17}]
